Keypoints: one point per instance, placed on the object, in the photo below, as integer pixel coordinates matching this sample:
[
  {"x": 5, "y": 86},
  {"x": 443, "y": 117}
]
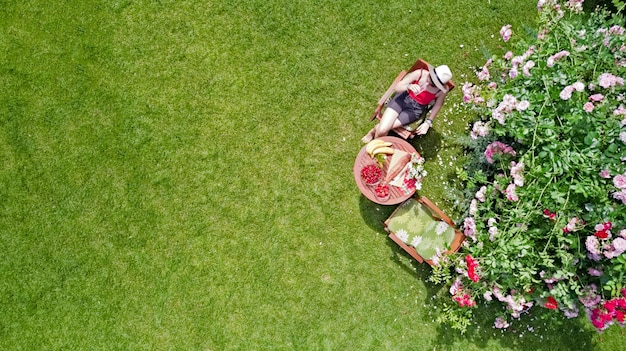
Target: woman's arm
[
  {"x": 424, "y": 127},
  {"x": 437, "y": 106},
  {"x": 403, "y": 85}
]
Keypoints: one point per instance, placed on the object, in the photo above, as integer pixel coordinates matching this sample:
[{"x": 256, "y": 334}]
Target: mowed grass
[{"x": 178, "y": 175}]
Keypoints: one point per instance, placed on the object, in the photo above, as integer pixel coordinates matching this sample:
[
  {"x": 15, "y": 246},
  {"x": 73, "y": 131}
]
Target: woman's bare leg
[{"x": 388, "y": 122}]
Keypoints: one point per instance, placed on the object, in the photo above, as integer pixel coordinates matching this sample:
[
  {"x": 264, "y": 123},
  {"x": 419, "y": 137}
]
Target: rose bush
[{"x": 545, "y": 174}]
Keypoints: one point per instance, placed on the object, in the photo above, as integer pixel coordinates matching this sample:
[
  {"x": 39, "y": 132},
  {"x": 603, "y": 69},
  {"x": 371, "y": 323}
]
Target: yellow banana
[
  {"x": 374, "y": 144},
  {"x": 382, "y": 150}
]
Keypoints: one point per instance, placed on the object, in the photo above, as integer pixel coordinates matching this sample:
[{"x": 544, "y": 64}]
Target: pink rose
[
  {"x": 620, "y": 195},
  {"x": 510, "y": 192},
  {"x": 605, "y": 173},
  {"x": 523, "y": 105},
  {"x": 566, "y": 93},
  {"x": 527, "y": 66},
  {"x": 596, "y": 97},
  {"x": 588, "y": 106},
  {"x": 578, "y": 86},
  {"x": 620, "y": 181},
  {"x": 506, "y": 32}
]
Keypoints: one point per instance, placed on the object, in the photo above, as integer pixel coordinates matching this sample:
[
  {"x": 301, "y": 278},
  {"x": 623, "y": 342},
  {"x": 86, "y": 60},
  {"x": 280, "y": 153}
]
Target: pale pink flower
[
  {"x": 607, "y": 80},
  {"x": 510, "y": 192},
  {"x": 473, "y": 209},
  {"x": 456, "y": 286},
  {"x": 572, "y": 225},
  {"x": 501, "y": 323},
  {"x": 542, "y": 34},
  {"x": 575, "y": 5},
  {"x": 468, "y": 90},
  {"x": 620, "y": 111},
  {"x": 498, "y": 116},
  {"x": 527, "y": 66},
  {"x": 620, "y": 181},
  {"x": 523, "y": 105},
  {"x": 509, "y": 102},
  {"x": 480, "y": 129},
  {"x": 498, "y": 148},
  {"x": 469, "y": 228},
  {"x": 541, "y": 4},
  {"x": 481, "y": 194},
  {"x": 505, "y": 32},
  {"x": 593, "y": 246},
  {"x": 508, "y": 55},
  {"x": 589, "y": 298},
  {"x": 566, "y": 93},
  {"x": 492, "y": 85},
  {"x": 605, "y": 173},
  {"x": 517, "y": 61},
  {"x": 484, "y": 75},
  {"x": 588, "y": 106},
  {"x": 493, "y": 232},
  {"x": 596, "y": 272},
  {"x": 596, "y": 97},
  {"x": 513, "y": 73},
  {"x": 620, "y": 195},
  {"x": 578, "y": 86},
  {"x": 616, "y": 30},
  {"x": 517, "y": 170},
  {"x": 571, "y": 313},
  {"x": 619, "y": 244},
  {"x": 559, "y": 55},
  {"x": 622, "y": 137}
]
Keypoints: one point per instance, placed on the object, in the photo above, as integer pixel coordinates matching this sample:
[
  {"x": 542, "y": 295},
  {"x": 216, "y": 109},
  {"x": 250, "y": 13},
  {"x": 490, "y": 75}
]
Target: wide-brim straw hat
[{"x": 440, "y": 76}]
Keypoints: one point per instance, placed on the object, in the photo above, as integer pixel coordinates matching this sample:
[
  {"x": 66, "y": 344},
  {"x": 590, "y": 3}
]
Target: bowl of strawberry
[
  {"x": 371, "y": 174},
  {"x": 382, "y": 191}
]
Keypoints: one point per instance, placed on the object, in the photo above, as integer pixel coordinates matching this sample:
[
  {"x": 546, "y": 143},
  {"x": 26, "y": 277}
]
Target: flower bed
[{"x": 545, "y": 177}]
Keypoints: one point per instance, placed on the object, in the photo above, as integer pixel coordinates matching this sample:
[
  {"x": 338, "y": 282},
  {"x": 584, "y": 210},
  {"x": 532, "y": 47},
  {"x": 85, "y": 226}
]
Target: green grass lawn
[{"x": 178, "y": 175}]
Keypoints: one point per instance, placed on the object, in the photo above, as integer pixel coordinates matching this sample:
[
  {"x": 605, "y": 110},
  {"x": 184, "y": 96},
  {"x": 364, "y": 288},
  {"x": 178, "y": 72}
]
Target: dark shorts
[{"x": 408, "y": 109}]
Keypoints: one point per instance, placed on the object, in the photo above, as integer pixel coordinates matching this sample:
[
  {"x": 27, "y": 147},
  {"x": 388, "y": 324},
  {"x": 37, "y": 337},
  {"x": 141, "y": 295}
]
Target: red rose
[
  {"x": 610, "y": 305},
  {"x": 598, "y": 323},
  {"x": 551, "y": 303},
  {"x": 619, "y": 315},
  {"x": 601, "y": 234}
]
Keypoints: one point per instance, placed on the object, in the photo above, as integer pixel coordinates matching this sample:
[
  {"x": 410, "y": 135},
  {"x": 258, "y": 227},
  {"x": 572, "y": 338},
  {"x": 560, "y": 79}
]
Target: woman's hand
[
  {"x": 424, "y": 127},
  {"x": 415, "y": 88}
]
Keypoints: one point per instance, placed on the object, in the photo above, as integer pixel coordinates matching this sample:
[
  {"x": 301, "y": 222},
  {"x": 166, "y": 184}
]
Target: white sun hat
[{"x": 440, "y": 76}]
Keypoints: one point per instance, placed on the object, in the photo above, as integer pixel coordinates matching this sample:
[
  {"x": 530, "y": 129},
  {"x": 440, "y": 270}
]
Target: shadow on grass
[
  {"x": 374, "y": 215},
  {"x": 428, "y": 145}
]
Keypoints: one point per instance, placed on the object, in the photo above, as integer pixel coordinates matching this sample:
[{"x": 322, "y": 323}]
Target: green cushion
[
  {"x": 414, "y": 224},
  {"x": 413, "y": 126}
]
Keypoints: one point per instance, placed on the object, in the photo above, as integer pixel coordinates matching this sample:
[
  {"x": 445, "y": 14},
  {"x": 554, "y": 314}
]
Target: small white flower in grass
[{"x": 402, "y": 235}]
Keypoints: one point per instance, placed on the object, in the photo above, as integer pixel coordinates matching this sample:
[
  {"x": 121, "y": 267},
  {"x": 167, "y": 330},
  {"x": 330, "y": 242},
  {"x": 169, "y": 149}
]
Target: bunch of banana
[{"x": 378, "y": 146}]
